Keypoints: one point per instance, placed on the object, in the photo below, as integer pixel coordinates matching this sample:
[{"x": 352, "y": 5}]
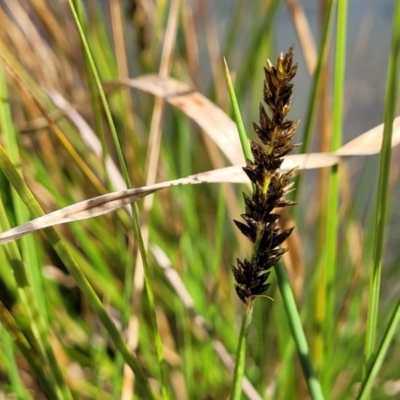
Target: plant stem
[
  {"x": 378, "y": 358},
  {"x": 241, "y": 352},
  {"x": 134, "y": 207},
  {"x": 297, "y": 332},
  {"x": 315, "y": 89},
  {"x": 244, "y": 141},
  {"x": 383, "y": 183},
  {"x": 332, "y": 211}
]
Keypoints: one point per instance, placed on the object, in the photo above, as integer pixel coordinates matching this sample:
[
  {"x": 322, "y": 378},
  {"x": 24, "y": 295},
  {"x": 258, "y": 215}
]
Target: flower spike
[{"x": 270, "y": 184}]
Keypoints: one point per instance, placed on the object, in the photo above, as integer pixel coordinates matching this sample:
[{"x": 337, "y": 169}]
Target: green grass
[{"x": 76, "y": 314}]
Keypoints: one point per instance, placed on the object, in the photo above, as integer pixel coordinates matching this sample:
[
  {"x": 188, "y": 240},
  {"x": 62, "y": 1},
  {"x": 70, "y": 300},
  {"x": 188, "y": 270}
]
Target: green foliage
[{"x": 79, "y": 312}]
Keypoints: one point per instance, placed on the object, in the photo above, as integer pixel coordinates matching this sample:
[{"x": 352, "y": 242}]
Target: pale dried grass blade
[
  {"x": 223, "y": 131},
  {"x": 196, "y": 106},
  {"x": 304, "y": 34},
  {"x": 370, "y": 142},
  {"x": 309, "y": 161},
  {"x": 43, "y": 53},
  {"x": 112, "y": 201},
  {"x": 152, "y": 162}
]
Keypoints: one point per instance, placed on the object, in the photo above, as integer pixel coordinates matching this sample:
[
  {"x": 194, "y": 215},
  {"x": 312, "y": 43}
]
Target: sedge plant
[
  {"x": 261, "y": 227},
  {"x": 65, "y": 303}
]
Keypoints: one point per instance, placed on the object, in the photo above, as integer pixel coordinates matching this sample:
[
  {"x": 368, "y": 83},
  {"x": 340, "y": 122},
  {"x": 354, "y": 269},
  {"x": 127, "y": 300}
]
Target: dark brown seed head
[{"x": 270, "y": 184}]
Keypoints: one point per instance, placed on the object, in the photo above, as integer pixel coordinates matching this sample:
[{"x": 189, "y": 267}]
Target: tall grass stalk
[
  {"x": 298, "y": 334},
  {"x": 92, "y": 298},
  {"x": 244, "y": 141},
  {"x": 240, "y": 363},
  {"x": 29, "y": 291},
  {"x": 8, "y": 355},
  {"x": 93, "y": 85},
  {"x": 332, "y": 220},
  {"x": 312, "y": 107},
  {"x": 391, "y": 101},
  {"x": 377, "y": 360},
  {"x": 236, "y": 388},
  {"x": 283, "y": 66},
  {"x": 69, "y": 318},
  {"x": 134, "y": 208},
  {"x": 21, "y": 343},
  {"x": 28, "y": 247}
]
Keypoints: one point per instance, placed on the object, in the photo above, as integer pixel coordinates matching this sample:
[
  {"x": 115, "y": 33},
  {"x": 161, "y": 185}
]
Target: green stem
[
  {"x": 244, "y": 141},
  {"x": 241, "y": 352},
  {"x": 134, "y": 208},
  {"x": 332, "y": 220},
  {"x": 18, "y": 339},
  {"x": 87, "y": 290},
  {"x": 377, "y": 361},
  {"x": 315, "y": 89},
  {"x": 298, "y": 333},
  {"x": 384, "y": 169}
]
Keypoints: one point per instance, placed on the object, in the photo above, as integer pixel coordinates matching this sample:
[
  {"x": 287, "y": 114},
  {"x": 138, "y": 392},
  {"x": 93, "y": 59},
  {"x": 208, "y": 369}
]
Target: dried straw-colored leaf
[
  {"x": 304, "y": 34},
  {"x": 370, "y": 142},
  {"x": 112, "y": 201},
  {"x": 215, "y": 122},
  {"x": 223, "y": 131}
]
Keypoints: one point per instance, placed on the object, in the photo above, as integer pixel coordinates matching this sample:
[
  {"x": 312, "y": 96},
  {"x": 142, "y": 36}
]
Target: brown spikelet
[{"x": 270, "y": 185}]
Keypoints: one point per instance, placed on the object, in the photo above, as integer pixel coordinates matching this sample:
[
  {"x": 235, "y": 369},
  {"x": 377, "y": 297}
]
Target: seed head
[{"x": 270, "y": 184}]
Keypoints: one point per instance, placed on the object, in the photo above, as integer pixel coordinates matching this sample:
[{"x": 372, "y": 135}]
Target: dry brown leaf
[
  {"x": 370, "y": 142},
  {"x": 223, "y": 131},
  {"x": 304, "y": 34},
  {"x": 112, "y": 201},
  {"x": 215, "y": 122}
]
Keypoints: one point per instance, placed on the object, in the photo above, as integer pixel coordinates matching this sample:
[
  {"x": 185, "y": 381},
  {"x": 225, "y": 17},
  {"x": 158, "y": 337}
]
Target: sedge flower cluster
[{"x": 269, "y": 183}]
